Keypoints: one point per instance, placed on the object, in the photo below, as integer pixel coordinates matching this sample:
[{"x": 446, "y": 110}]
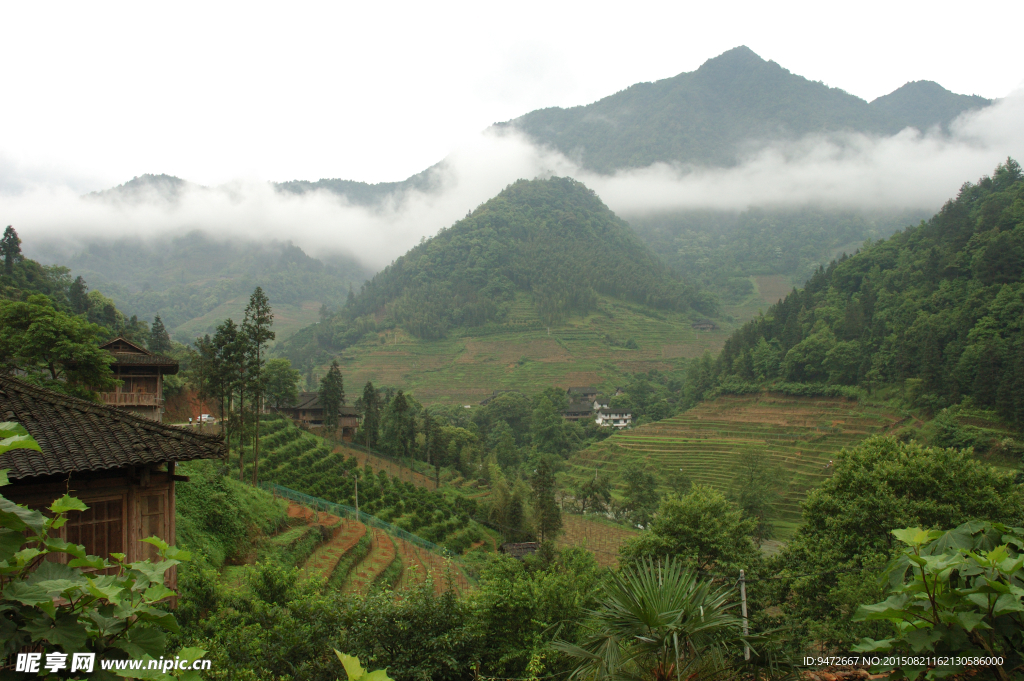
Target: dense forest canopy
[
  {"x": 727, "y": 107},
  {"x": 938, "y": 307},
  {"x": 721, "y": 250},
  {"x": 552, "y": 239}
]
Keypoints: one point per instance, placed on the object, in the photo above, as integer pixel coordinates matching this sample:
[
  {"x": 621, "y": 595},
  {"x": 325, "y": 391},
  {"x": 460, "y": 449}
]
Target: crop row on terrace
[
  {"x": 304, "y": 462},
  {"x": 706, "y": 444}
]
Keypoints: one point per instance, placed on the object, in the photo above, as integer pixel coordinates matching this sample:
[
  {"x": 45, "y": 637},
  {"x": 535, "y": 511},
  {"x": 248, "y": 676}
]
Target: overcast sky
[{"x": 96, "y": 93}]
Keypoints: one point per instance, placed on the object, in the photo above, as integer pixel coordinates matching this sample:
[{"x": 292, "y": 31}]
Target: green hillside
[
  {"x": 936, "y": 310},
  {"x": 923, "y": 104},
  {"x": 193, "y": 281},
  {"x": 729, "y": 106},
  {"x": 705, "y": 444},
  {"x": 540, "y": 252}
]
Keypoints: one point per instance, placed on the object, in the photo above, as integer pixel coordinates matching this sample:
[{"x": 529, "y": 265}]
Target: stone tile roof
[
  {"x": 310, "y": 401},
  {"x": 76, "y": 435},
  {"x": 126, "y": 352},
  {"x": 520, "y": 549}
]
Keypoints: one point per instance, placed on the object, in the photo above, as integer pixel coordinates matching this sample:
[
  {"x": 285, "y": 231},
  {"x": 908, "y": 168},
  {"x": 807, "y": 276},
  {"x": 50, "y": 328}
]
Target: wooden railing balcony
[{"x": 131, "y": 399}]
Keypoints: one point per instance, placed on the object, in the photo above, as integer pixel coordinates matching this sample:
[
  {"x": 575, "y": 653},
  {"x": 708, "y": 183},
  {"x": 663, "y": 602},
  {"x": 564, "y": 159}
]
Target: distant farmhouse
[
  {"x": 704, "y": 325},
  {"x": 141, "y": 373},
  {"x": 121, "y": 465},
  {"x": 309, "y": 413},
  {"x": 587, "y": 406},
  {"x": 582, "y": 393},
  {"x": 613, "y": 418}
]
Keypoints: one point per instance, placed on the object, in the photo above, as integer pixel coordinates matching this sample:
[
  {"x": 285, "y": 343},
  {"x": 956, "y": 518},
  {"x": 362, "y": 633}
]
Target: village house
[
  {"x": 614, "y": 418},
  {"x": 584, "y": 393},
  {"x": 121, "y": 465},
  {"x": 309, "y": 413},
  {"x": 141, "y": 373},
  {"x": 704, "y": 325},
  {"x": 578, "y": 411}
]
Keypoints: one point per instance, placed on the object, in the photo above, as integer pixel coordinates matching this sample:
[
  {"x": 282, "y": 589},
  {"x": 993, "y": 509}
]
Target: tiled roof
[
  {"x": 137, "y": 355},
  {"x": 585, "y": 389},
  {"x": 77, "y": 435},
  {"x": 519, "y": 549},
  {"x": 310, "y": 401}
]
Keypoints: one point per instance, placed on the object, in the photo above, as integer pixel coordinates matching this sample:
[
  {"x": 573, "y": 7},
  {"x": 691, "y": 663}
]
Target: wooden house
[
  {"x": 578, "y": 411},
  {"x": 704, "y": 325},
  {"x": 584, "y": 393},
  {"x": 141, "y": 374},
  {"x": 309, "y": 413},
  {"x": 121, "y": 465}
]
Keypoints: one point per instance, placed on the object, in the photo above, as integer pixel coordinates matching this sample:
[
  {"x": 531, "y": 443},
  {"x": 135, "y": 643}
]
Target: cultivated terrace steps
[{"x": 706, "y": 444}]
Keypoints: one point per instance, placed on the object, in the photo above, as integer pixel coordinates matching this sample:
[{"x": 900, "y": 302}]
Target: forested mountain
[
  {"x": 729, "y": 106},
  {"x": 938, "y": 308},
  {"x": 553, "y": 239},
  {"x": 184, "y": 277},
  {"x": 143, "y": 187},
  {"x": 721, "y": 250},
  {"x": 924, "y": 103}
]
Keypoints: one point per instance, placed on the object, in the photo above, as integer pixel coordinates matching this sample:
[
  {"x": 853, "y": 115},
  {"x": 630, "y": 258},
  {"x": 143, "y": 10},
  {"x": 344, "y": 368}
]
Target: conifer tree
[
  {"x": 371, "y": 414},
  {"x": 547, "y": 514},
  {"x": 259, "y": 317},
  {"x": 332, "y": 395},
  {"x": 159, "y": 339},
  {"x": 10, "y": 248},
  {"x": 78, "y": 296}
]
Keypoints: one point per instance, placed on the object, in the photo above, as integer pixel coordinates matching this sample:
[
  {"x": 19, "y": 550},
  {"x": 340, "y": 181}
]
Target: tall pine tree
[
  {"x": 332, "y": 395},
  {"x": 259, "y": 317}
]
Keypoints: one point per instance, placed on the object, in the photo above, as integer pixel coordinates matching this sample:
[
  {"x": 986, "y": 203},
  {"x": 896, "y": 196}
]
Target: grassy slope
[
  {"x": 521, "y": 355},
  {"x": 706, "y": 442},
  {"x": 288, "y": 318}
]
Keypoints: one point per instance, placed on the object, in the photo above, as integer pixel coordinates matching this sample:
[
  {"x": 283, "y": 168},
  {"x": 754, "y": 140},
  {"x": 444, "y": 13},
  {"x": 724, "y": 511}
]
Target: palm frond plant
[{"x": 659, "y": 621}]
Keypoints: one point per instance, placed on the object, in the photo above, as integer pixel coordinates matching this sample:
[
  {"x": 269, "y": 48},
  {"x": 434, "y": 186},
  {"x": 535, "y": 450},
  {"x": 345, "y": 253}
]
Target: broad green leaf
[
  {"x": 110, "y": 592},
  {"x": 93, "y": 562},
  {"x": 16, "y": 517},
  {"x": 969, "y": 620},
  {"x": 26, "y": 594},
  {"x": 352, "y": 666},
  {"x": 868, "y": 645},
  {"x": 66, "y": 632},
  {"x": 3, "y": 477},
  {"x": 19, "y": 442},
  {"x": 10, "y": 543},
  {"x": 67, "y": 503},
  {"x": 164, "y": 620},
  {"x": 147, "y": 638},
  {"x": 157, "y": 542},
  {"x": 377, "y": 675},
  {"x": 1007, "y": 603},
  {"x": 157, "y": 592}
]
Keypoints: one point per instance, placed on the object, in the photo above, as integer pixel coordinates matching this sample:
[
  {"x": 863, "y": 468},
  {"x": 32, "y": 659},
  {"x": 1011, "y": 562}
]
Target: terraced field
[
  {"x": 382, "y": 554},
  {"x": 522, "y": 354},
  {"x": 704, "y": 444}
]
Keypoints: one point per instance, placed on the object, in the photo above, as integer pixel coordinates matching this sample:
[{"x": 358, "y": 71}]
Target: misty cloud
[{"x": 909, "y": 170}]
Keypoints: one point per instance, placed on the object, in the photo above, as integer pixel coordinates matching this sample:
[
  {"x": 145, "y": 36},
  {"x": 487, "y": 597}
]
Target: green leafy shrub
[{"x": 963, "y": 599}]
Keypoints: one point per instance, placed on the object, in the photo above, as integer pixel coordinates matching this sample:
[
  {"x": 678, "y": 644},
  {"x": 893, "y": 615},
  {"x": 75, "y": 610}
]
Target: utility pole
[{"x": 743, "y": 607}]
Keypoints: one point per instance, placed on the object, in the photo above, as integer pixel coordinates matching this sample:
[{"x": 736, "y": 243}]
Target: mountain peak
[{"x": 924, "y": 104}]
